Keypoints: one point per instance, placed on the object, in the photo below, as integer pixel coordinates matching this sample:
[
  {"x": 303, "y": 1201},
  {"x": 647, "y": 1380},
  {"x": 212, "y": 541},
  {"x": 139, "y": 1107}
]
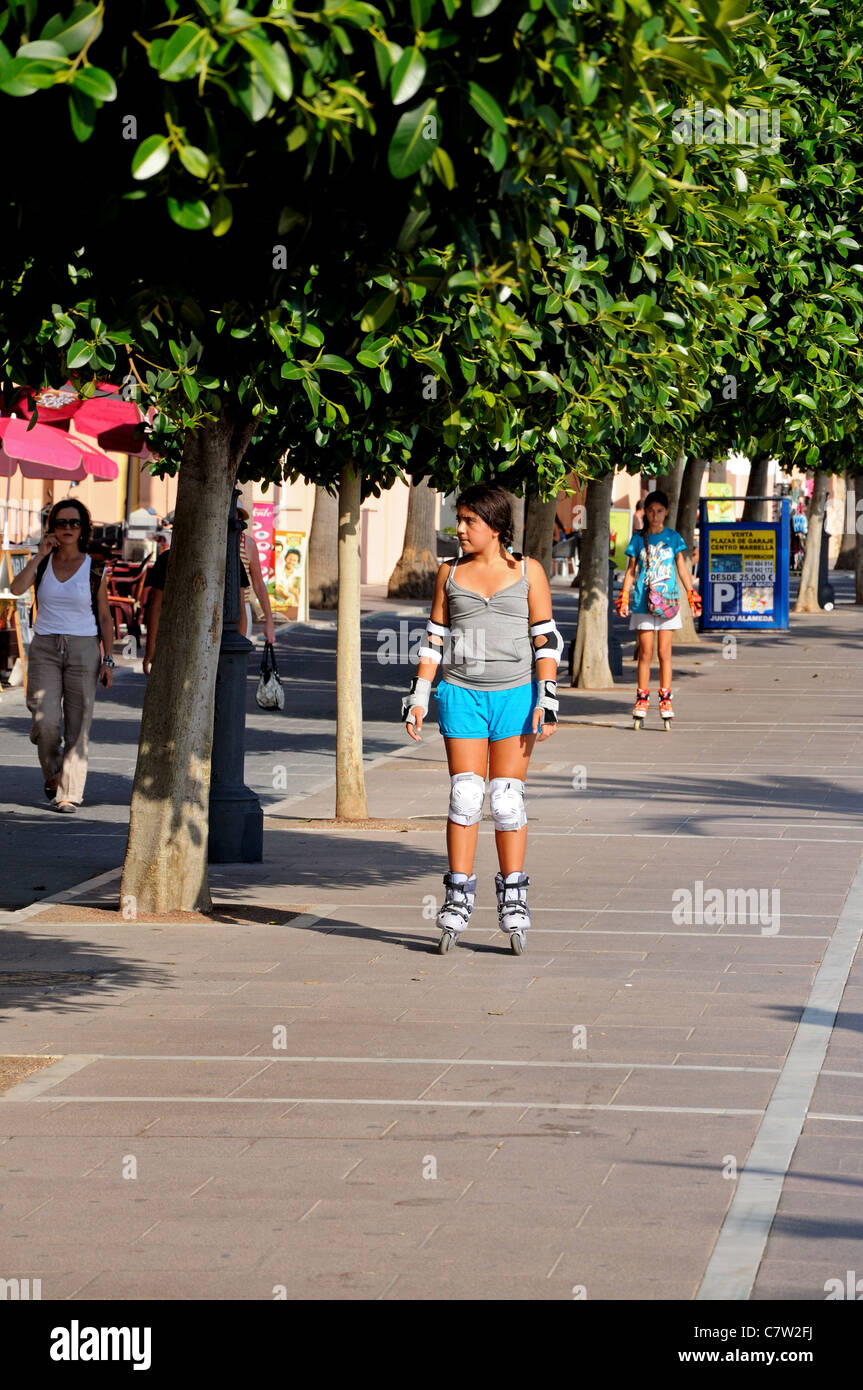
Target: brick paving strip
[{"x": 314, "y": 1102}]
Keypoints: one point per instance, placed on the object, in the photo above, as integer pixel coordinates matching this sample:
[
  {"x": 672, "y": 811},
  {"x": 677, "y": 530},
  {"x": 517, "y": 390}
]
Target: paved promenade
[{"x": 662, "y": 1099}]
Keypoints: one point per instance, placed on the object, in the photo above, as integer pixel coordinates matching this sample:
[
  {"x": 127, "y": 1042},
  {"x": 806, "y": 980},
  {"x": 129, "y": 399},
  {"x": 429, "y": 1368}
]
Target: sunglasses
[{"x": 67, "y": 521}]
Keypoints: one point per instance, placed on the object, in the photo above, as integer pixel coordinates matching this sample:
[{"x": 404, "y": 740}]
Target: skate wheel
[
  {"x": 446, "y": 941},
  {"x": 637, "y": 724},
  {"x": 667, "y": 723},
  {"x": 517, "y": 943}
]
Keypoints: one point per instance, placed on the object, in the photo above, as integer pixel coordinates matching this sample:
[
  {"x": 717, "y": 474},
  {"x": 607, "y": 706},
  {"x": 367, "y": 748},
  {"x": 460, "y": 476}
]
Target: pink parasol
[
  {"x": 107, "y": 416},
  {"x": 41, "y": 452}
]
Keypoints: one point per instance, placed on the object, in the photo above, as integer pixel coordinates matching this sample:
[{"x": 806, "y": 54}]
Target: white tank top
[{"x": 65, "y": 609}]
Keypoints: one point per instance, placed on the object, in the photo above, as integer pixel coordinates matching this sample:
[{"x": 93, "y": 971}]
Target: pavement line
[
  {"x": 739, "y": 1250},
  {"x": 625, "y": 931},
  {"x": 422, "y": 1104},
  {"x": 425, "y": 1061},
  {"x": 571, "y": 832},
  {"x": 621, "y": 911}
]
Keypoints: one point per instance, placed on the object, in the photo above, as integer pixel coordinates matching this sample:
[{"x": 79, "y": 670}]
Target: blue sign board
[{"x": 743, "y": 567}]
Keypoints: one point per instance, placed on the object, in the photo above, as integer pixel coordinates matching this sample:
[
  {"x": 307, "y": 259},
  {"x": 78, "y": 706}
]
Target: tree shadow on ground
[
  {"x": 64, "y": 975},
  {"x": 323, "y": 862},
  {"x": 794, "y": 1174},
  {"x": 844, "y": 1019},
  {"x": 769, "y": 794}
]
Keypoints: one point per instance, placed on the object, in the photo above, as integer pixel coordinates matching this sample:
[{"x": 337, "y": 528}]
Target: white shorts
[{"x": 654, "y": 622}]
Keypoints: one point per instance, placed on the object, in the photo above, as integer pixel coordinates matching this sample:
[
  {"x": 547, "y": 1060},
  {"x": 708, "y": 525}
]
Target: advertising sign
[
  {"x": 288, "y": 588},
  {"x": 744, "y": 569},
  {"x": 724, "y": 509},
  {"x": 262, "y": 534},
  {"x": 620, "y": 524}
]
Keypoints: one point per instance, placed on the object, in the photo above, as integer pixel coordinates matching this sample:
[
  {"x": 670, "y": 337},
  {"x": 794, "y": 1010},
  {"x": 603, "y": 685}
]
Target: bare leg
[
  {"x": 645, "y": 656},
  {"x": 509, "y": 757},
  {"x": 464, "y": 755},
  {"x": 665, "y": 639}
]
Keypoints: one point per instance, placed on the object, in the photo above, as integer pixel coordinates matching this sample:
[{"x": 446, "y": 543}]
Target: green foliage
[{"x": 455, "y": 238}]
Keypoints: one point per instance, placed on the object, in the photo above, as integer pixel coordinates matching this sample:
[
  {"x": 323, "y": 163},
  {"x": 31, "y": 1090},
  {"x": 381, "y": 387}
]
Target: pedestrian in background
[
  {"x": 652, "y": 574},
  {"x": 67, "y": 658},
  {"x": 253, "y": 579}
]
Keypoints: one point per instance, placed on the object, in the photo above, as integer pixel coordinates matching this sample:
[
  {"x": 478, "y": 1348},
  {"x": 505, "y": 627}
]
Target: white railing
[{"x": 20, "y": 519}]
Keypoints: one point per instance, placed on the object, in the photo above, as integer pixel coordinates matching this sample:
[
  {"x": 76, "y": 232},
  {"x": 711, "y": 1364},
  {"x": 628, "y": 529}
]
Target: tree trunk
[
  {"x": 165, "y": 868},
  {"x": 350, "y": 783},
  {"x": 847, "y": 549},
  {"x": 670, "y": 484},
  {"x": 517, "y": 504},
  {"x": 757, "y": 487},
  {"x": 718, "y": 471},
  {"x": 414, "y": 575},
  {"x": 591, "y": 670},
  {"x": 807, "y": 598},
  {"x": 324, "y": 551},
  {"x": 539, "y": 530},
  {"x": 858, "y": 545},
  {"x": 687, "y": 506}
]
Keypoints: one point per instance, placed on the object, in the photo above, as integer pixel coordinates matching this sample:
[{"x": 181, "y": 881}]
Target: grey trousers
[{"x": 61, "y": 689}]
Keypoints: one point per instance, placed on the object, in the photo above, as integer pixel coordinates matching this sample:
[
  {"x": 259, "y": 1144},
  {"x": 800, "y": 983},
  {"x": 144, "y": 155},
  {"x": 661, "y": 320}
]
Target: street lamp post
[{"x": 236, "y": 818}]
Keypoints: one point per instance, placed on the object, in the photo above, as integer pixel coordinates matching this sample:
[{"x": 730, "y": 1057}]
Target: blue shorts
[{"x": 489, "y": 714}]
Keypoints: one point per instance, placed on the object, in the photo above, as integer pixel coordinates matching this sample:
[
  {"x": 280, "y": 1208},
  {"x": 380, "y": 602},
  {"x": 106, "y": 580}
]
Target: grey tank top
[{"x": 490, "y": 647}]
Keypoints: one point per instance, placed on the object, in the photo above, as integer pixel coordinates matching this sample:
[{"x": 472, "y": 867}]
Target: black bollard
[
  {"x": 826, "y": 592},
  {"x": 236, "y": 818}
]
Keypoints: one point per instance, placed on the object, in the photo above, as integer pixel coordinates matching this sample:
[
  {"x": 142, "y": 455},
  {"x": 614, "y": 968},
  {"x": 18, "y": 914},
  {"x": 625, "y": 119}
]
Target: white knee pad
[
  {"x": 467, "y": 791},
  {"x": 507, "y": 803}
]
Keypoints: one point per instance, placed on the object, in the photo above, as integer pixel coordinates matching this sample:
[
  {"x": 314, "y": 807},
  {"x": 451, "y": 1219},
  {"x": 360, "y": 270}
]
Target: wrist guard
[
  {"x": 418, "y": 696},
  {"x": 548, "y": 701}
]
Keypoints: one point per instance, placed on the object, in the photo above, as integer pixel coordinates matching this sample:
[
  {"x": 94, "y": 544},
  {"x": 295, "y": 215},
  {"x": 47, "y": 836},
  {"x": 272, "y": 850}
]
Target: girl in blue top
[{"x": 655, "y": 565}]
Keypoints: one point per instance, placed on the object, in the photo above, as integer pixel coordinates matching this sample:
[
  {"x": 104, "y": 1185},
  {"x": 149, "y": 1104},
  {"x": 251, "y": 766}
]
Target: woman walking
[
  {"x": 65, "y": 661},
  {"x": 497, "y": 695},
  {"x": 253, "y": 579},
  {"x": 655, "y": 565}
]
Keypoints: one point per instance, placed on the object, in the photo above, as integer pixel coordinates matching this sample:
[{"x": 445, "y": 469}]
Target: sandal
[{"x": 68, "y": 807}]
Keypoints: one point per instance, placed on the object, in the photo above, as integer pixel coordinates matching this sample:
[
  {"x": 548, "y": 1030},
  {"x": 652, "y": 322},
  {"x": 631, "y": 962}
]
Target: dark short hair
[
  {"x": 292, "y": 550},
  {"x": 86, "y": 520},
  {"x": 492, "y": 505}
]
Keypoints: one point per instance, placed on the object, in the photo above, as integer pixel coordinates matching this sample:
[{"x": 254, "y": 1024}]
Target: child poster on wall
[{"x": 288, "y": 587}]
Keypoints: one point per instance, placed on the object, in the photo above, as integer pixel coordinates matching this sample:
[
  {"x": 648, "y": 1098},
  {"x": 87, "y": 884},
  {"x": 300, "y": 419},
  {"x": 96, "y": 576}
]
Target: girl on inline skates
[
  {"x": 655, "y": 553},
  {"x": 492, "y": 627}
]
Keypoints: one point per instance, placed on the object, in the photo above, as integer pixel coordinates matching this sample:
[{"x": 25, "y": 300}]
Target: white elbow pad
[{"x": 554, "y": 645}]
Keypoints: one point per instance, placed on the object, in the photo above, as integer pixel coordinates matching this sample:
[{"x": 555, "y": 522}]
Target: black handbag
[{"x": 269, "y": 694}]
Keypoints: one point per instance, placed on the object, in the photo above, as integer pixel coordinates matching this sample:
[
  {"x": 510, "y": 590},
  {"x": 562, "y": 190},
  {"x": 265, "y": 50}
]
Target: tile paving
[{"x": 400, "y": 1140}]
